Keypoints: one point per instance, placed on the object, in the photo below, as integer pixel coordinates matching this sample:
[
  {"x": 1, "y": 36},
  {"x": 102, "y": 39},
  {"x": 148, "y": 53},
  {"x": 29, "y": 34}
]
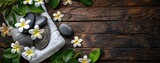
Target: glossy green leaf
[
  {"x": 14, "y": 19},
  {"x": 87, "y": 2},
  {"x": 35, "y": 9},
  {"x": 7, "y": 13},
  {"x": 73, "y": 61},
  {"x": 16, "y": 60},
  {"x": 67, "y": 54},
  {"x": 54, "y": 3},
  {"x": 53, "y": 57},
  {"x": 94, "y": 55},
  {"x": 8, "y": 55},
  {"x": 59, "y": 60},
  {"x": 4, "y": 60},
  {"x": 22, "y": 9}
]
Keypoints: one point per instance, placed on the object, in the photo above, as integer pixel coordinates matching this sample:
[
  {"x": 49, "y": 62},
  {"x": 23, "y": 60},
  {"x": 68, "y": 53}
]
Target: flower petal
[
  {"x": 80, "y": 59},
  {"x": 31, "y": 31},
  {"x": 40, "y": 36},
  {"x": 17, "y": 43},
  {"x": 89, "y": 60},
  {"x": 55, "y": 19},
  {"x": 80, "y": 40},
  {"x": 58, "y": 12},
  {"x": 54, "y": 14},
  {"x": 65, "y": 3},
  {"x": 26, "y": 48},
  {"x": 12, "y": 44},
  {"x": 22, "y": 20},
  {"x": 19, "y": 51},
  {"x": 26, "y": 26},
  {"x": 33, "y": 37},
  {"x": 20, "y": 29},
  {"x": 28, "y": 21},
  {"x": 24, "y": 2},
  {"x": 34, "y": 55},
  {"x": 30, "y": 2},
  {"x": 29, "y": 57},
  {"x": 33, "y": 48},
  {"x": 59, "y": 19},
  {"x": 73, "y": 41},
  {"x": 3, "y": 34},
  {"x": 36, "y": 27},
  {"x": 74, "y": 45},
  {"x": 85, "y": 57},
  {"x": 17, "y": 25},
  {"x": 79, "y": 45},
  {"x": 37, "y": 4},
  {"x": 24, "y": 54},
  {"x": 41, "y": 31},
  {"x": 76, "y": 38},
  {"x": 61, "y": 15},
  {"x": 13, "y": 51}
]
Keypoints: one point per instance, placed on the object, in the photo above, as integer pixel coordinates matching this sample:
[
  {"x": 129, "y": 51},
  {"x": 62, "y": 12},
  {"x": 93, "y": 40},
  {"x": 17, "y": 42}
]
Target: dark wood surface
[{"x": 127, "y": 31}]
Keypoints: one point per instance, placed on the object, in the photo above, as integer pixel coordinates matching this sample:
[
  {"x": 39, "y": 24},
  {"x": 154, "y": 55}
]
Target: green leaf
[
  {"x": 14, "y": 19},
  {"x": 22, "y": 9},
  {"x": 87, "y": 2},
  {"x": 67, "y": 54},
  {"x": 59, "y": 60},
  {"x": 8, "y": 55},
  {"x": 94, "y": 55},
  {"x": 7, "y": 13},
  {"x": 53, "y": 57},
  {"x": 35, "y": 9},
  {"x": 72, "y": 61},
  {"x": 54, "y": 3},
  {"x": 4, "y": 60},
  {"x": 16, "y": 60}
]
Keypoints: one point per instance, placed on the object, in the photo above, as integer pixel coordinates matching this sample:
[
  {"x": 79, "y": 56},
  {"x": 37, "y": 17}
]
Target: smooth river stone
[
  {"x": 41, "y": 21},
  {"x": 42, "y": 43},
  {"x": 32, "y": 17},
  {"x": 24, "y": 39},
  {"x": 66, "y": 30}
]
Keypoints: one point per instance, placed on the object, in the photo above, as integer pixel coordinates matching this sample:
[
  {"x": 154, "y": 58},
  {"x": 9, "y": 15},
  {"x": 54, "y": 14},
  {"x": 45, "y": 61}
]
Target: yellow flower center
[
  {"x": 5, "y": 30},
  {"x": 36, "y": 32},
  {"x": 23, "y": 24},
  {"x": 58, "y": 16},
  {"x": 76, "y": 42},
  {"x": 68, "y": 0},
  {"x": 40, "y": 0},
  {"x": 16, "y": 47},
  {"x": 27, "y": 0},
  {"x": 84, "y": 61},
  {"x": 29, "y": 52}
]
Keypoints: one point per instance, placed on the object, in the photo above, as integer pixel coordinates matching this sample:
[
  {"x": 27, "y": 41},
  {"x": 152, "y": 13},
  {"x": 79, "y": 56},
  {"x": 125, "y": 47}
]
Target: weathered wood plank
[
  {"x": 111, "y": 27},
  {"x": 109, "y": 13},
  {"x": 138, "y": 54},
  {"x": 116, "y": 3},
  {"x": 116, "y": 41}
]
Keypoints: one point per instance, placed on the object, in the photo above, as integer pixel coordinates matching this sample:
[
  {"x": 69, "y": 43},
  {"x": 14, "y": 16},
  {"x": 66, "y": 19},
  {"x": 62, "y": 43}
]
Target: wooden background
[{"x": 127, "y": 31}]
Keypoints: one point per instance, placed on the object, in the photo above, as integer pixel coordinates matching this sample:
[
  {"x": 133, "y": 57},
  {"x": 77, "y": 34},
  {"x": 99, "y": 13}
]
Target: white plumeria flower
[
  {"x": 24, "y": 24},
  {"x": 38, "y": 2},
  {"x": 84, "y": 59},
  {"x": 36, "y": 32},
  {"x": 76, "y": 42},
  {"x": 16, "y": 47},
  {"x": 28, "y": 1},
  {"x": 65, "y": 2},
  {"x": 29, "y": 53},
  {"x": 58, "y": 16}
]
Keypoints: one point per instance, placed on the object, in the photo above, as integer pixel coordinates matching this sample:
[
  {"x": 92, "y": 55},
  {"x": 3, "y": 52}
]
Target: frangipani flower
[
  {"x": 16, "y": 47},
  {"x": 23, "y": 24},
  {"x": 65, "y": 2},
  {"x": 84, "y": 59},
  {"x": 38, "y": 2},
  {"x": 28, "y": 1},
  {"x": 36, "y": 32},
  {"x": 29, "y": 53},
  {"x": 76, "y": 42},
  {"x": 5, "y": 30},
  {"x": 58, "y": 16}
]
